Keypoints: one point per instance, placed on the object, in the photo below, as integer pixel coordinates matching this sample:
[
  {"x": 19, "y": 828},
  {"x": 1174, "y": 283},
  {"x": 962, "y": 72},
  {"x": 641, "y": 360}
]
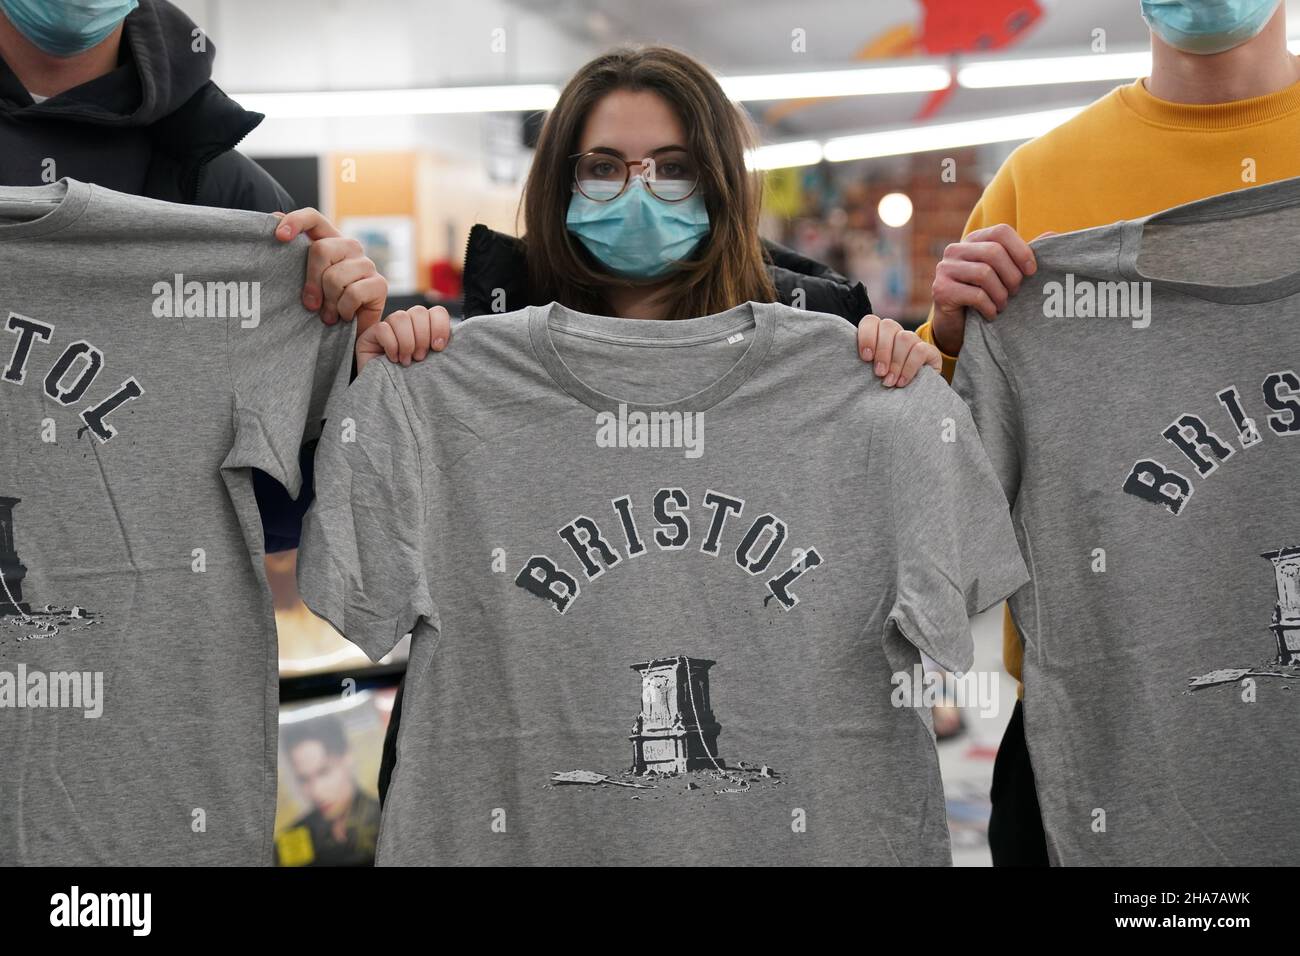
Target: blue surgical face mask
[
  {"x": 66, "y": 28},
  {"x": 1207, "y": 26},
  {"x": 637, "y": 235}
]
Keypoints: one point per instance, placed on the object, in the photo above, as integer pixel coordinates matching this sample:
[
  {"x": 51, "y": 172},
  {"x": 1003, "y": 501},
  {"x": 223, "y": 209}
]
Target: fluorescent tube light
[
  {"x": 1046, "y": 71},
  {"x": 869, "y": 81},
  {"x": 920, "y": 139},
  {"x": 806, "y": 152},
  {"x": 1049, "y": 70},
  {"x": 464, "y": 99}
]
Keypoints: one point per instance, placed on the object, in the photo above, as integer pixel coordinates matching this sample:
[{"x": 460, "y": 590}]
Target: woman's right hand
[
  {"x": 981, "y": 272},
  {"x": 405, "y": 336}
]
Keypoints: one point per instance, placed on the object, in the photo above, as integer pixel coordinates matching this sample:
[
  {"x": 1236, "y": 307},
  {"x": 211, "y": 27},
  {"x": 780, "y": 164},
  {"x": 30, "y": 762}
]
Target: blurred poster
[
  {"x": 783, "y": 193},
  {"x": 389, "y": 241},
  {"x": 309, "y": 644},
  {"x": 327, "y": 808},
  {"x": 880, "y": 261}
]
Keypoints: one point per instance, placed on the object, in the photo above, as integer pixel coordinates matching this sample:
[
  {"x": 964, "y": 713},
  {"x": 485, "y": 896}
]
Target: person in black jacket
[
  {"x": 677, "y": 238},
  {"x": 123, "y": 98},
  {"x": 496, "y": 269}
]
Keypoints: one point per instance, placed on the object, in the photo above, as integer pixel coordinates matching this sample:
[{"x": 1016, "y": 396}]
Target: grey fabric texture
[
  {"x": 717, "y": 668},
  {"x": 135, "y": 543},
  {"x": 1139, "y": 400}
]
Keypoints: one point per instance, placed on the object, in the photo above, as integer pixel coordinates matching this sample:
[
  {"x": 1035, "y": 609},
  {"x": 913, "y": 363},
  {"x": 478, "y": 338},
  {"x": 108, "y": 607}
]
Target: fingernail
[
  {"x": 866, "y": 355},
  {"x": 881, "y": 367},
  {"x": 889, "y": 380},
  {"x": 438, "y": 343}
]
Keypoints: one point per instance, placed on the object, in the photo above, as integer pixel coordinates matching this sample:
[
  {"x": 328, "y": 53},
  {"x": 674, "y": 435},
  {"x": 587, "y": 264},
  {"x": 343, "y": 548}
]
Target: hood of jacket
[
  {"x": 164, "y": 62},
  {"x": 496, "y": 279},
  {"x": 161, "y": 90}
]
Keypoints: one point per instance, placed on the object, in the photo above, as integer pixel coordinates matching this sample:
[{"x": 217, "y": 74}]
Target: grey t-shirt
[
  {"x": 654, "y": 651},
  {"x": 1139, "y": 399},
  {"x": 150, "y": 355}
]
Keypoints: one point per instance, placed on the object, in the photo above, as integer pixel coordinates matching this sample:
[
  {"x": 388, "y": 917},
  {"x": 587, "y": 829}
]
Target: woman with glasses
[{"x": 639, "y": 205}]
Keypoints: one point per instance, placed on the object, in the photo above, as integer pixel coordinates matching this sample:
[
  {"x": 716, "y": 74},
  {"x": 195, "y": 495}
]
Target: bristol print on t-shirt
[
  {"x": 1147, "y": 437},
  {"x": 675, "y": 731},
  {"x": 151, "y": 355},
  {"x": 678, "y": 646},
  {"x": 1201, "y": 452}
]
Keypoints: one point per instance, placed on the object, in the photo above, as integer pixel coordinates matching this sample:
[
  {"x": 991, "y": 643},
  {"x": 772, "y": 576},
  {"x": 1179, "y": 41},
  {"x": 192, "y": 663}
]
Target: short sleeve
[
  {"x": 957, "y": 552},
  {"x": 284, "y": 363},
  {"x": 361, "y": 565},
  {"x": 985, "y": 384}
]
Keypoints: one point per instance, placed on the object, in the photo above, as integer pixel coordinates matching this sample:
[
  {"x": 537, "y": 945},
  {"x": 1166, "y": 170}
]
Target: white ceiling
[
  {"x": 280, "y": 45},
  {"x": 736, "y": 35},
  {"x": 748, "y": 36}
]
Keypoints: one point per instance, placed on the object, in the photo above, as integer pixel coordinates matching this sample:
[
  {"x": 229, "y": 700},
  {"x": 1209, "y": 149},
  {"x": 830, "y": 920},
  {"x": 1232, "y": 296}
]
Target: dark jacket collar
[
  {"x": 496, "y": 279},
  {"x": 162, "y": 88},
  {"x": 158, "y": 71}
]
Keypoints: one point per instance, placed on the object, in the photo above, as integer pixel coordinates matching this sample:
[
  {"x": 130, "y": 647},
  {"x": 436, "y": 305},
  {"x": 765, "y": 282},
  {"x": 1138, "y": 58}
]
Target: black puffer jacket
[
  {"x": 496, "y": 279},
  {"x": 156, "y": 126},
  {"x": 496, "y": 262}
]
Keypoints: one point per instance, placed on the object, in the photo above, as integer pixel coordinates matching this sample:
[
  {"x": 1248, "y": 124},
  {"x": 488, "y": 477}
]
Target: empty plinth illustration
[
  {"x": 19, "y": 620},
  {"x": 1284, "y": 625},
  {"x": 1286, "y": 613},
  {"x": 675, "y": 730},
  {"x": 12, "y": 570},
  {"x": 674, "y": 740}
]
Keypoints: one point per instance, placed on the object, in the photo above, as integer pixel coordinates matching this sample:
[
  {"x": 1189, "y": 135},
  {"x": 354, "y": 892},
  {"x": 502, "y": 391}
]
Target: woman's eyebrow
[{"x": 611, "y": 151}]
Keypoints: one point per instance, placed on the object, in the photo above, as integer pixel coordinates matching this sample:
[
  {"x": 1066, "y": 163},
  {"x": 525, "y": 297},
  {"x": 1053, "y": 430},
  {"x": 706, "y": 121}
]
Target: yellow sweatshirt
[{"x": 1126, "y": 156}]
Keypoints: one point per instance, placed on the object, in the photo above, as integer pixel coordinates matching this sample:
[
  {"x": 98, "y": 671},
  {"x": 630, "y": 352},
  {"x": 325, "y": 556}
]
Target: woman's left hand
[
  {"x": 406, "y": 336},
  {"x": 896, "y": 355},
  {"x": 342, "y": 283}
]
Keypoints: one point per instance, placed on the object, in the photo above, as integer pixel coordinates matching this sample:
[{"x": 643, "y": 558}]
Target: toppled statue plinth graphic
[
  {"x": 1284, "y": 626},
  {"x": 676, "y": 730},
  {"x": 12, "y": 571},
  {"x": 675, "y": 739},
  {"x": 18, "y": 619},
  {"x": 1286, "y": 613}
]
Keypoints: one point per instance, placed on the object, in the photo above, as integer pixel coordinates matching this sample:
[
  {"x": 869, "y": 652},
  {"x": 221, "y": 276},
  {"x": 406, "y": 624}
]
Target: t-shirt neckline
[
  {"x": 1233, "y": 205},
  {"x": 70, "y": 195},
  {"x": 754, "y": 319}
]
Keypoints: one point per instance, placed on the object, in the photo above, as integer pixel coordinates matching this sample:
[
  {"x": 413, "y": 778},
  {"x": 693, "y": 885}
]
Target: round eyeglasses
[{"x": 669, "y": 175}]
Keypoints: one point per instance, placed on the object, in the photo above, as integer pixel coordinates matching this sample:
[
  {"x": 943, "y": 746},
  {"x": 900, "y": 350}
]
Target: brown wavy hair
[{"x": 728, "y": 267}]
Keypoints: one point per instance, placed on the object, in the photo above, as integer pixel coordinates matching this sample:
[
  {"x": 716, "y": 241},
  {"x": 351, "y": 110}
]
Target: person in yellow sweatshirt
[{"x": 1220, "y": 111}]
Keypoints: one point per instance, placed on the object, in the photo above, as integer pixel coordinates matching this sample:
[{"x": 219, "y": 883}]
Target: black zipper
[{"x": 464, "y": 269}]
